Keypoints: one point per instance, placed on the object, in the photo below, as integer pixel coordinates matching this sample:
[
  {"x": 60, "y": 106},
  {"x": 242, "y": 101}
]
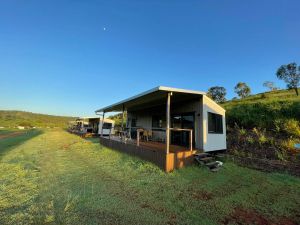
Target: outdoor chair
[{"x": 147, "y": 135}]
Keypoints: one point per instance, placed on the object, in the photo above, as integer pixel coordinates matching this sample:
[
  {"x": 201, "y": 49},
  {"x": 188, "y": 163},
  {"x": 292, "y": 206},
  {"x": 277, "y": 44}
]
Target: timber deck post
[
  {"x": 122, "y": 125},
  {"x": 102, "y": 124},
  {"x": 123, "y": 136},
  {"x": 191, "y": 140},
  {"x": 138, "y": 137},
  {"x": 168, "y": 123}
]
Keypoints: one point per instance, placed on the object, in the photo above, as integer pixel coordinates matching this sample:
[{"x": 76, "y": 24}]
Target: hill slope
[
  {"x": 264, "y": 126},
  {"x": 9, "y": 118},
  {"x": 264, "y": 109}
]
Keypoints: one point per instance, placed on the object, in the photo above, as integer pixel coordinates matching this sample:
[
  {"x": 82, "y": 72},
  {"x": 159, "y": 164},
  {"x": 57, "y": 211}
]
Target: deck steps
[
  {"x": 202, "y": 155},
  {"x": 212, "y": 164},
  {"x": 208, "y": 160},
  {"x": 216, "y": 169}
]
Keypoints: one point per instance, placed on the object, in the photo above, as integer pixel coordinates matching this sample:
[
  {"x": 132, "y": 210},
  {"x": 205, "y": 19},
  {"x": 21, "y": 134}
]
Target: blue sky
[{"x": 73, "y": 57}]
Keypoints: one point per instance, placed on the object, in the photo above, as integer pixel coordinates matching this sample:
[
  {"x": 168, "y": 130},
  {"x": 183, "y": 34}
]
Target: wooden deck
[{"x": 155, "y": 152}]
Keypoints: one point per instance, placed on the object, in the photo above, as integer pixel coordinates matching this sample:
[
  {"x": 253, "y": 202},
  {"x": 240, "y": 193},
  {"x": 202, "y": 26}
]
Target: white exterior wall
[
  {"x": 106, "y": 131},
  {"x": 211, "y": 141}
]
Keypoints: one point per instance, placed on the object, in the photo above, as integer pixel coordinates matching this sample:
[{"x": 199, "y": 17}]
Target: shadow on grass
[
  {"x": 93, "y": 139},
  {"x": 9, "y": 143}
]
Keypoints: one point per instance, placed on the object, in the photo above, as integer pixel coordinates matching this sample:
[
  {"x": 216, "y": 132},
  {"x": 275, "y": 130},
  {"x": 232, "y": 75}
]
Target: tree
[
  {"x": 290, "y": 74},
  {"x": 242, "y": 90},
  {"x": 270, "y": 85},
  {"x": 217, "y": 93}
]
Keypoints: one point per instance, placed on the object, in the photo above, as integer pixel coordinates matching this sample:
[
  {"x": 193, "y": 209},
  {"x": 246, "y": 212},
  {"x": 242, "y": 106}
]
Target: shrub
[
  {"x": 277, "y": 125},
  {"x": 289, "y": 145},
  {"x": 291, "y": 127},
  {"x": 281, "y": 155},
  {"x": 250, "y": 140}
]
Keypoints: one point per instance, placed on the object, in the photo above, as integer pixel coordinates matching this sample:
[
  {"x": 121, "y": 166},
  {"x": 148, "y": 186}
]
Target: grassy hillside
[
  {"x": 266, "y": 125},
  {"x": 264, "y": 110},
  {"x": 10, "y": 118}
]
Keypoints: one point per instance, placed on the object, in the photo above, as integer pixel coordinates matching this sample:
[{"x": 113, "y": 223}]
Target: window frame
[
  {"x": 160, "y": 120},
  {"x": 107, "y": 126},
  {"x": 218, "y": 118}
]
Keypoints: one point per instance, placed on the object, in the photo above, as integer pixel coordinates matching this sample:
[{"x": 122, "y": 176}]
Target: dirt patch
[
  {"x": 267, "y": 165},
  {"x": 245, "y": 216},
  {"x": 286, "y": 221},
  {"x": 202, "y": 195},
  {"x": 172, "y": 219},
  {"x": 14, "y": 134}
]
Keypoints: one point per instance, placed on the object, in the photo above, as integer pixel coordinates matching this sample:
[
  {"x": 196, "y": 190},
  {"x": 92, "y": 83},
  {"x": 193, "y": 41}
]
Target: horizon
[{"x": 69, "y": 59}]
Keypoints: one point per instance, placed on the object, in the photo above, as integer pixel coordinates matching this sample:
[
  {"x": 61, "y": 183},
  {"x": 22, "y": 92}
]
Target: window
[
  {"x": 158, "y": 122},
  {"x": 133, "y": 122},
  {"x": 107, "y": 126},
  {"x": 215, "y": 123}
]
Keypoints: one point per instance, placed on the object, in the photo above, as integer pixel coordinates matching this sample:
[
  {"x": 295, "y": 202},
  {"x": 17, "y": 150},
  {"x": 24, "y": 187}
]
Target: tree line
[{"x": 289, "y": 73}]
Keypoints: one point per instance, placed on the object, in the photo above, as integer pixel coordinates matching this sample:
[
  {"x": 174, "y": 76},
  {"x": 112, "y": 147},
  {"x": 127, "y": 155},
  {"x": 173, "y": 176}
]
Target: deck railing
[
  {"x": 190, "y": 138},
  {"x": 139, "y": 131}
]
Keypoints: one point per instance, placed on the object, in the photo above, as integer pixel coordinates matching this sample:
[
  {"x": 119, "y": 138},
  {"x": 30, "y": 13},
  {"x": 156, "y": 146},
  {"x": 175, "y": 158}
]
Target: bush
[{"x": 291, "y": 127}]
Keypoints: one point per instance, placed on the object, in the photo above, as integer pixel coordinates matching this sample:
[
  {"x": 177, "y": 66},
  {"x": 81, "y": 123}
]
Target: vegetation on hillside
[
  {"x": 290, "y": 74},
  {"x": 263, "y": 110},
  {"x": 9, "y": 118},
  {"x": 60, "y": 178},
  {"x": 118, "y": 119},
  {"x": 265, "y": 125},
  {"x": 242, "y": 90}
]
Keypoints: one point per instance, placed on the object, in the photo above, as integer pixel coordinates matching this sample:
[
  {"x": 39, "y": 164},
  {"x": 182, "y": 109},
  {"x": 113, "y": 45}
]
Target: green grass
[
  {"x": 9, "y": 143},
  {"x": 59, "y": 178}
]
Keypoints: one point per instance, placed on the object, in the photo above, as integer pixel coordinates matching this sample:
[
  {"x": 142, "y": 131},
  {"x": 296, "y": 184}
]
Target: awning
[{"x": 154, "y": 97}]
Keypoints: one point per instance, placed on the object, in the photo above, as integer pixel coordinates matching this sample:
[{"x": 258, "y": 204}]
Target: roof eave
[{"x": 158, "y": 88}]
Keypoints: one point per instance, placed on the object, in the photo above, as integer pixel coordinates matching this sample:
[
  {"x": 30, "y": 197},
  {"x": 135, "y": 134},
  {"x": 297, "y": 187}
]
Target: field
[{"x": 53, "y": 177}]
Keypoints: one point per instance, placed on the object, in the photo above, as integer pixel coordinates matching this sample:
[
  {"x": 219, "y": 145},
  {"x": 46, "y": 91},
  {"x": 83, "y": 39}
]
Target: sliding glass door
[{"x": 182, "y": 121}]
